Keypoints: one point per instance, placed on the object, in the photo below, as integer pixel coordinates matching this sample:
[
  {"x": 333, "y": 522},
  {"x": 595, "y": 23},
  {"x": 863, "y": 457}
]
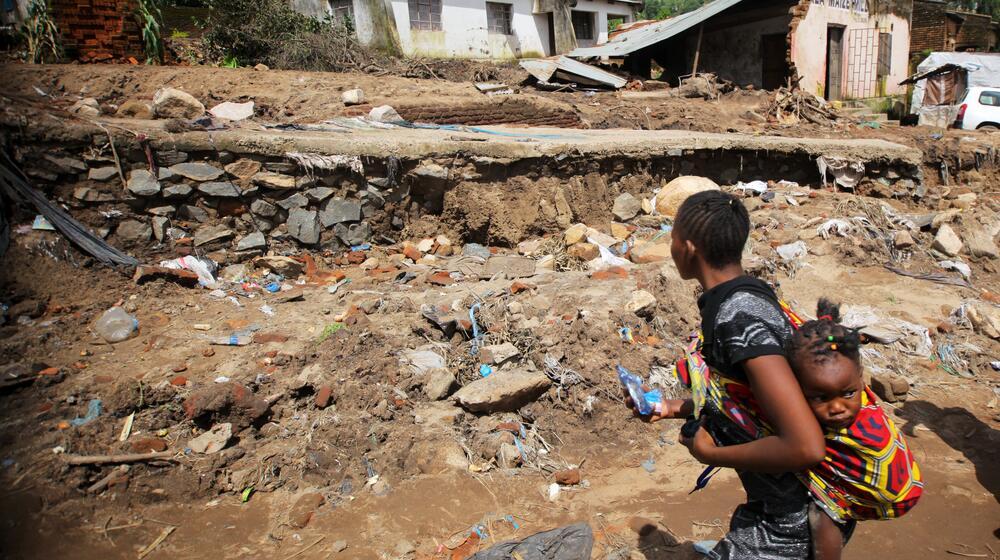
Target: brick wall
[
  {"x": 976, "y": 32},
  {"x": 99, "y": 30},
  {"x": 927, "y": 28}
]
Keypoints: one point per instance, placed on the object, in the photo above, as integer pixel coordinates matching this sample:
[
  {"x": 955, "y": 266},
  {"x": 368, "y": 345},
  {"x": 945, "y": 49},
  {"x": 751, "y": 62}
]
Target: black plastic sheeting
[
  {"x": 15, "y": 186},
  {"x": 573, "y": 542},
  {"x": 4, "y": 230}
]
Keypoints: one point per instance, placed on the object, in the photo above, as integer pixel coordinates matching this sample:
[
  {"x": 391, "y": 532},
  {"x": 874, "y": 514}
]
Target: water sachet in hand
[{"x": 646, "y": 402}]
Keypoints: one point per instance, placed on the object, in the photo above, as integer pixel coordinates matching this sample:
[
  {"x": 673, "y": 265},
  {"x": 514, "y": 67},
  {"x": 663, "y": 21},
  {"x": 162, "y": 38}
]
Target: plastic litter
[
  {"x": 422, "y": 361},
  {"x": 572, "y": 542},
  {"x": 845, "y": 173},
  {"x": 485, "y": 370},
  {"x": 836, "y": 226},
  {"x": 649, "y": 465},
  {"x": 205, "y": 268},
  {"x": 93, "y": 411},
  {"x": 273, "y": 287},
  {"x": 759, "y": 187},
  {"x": 957, "y": 266},
  {"x": 267, "y": 310},
  {"x": 646, "y": 402},
  {"x": 705, "y": 547},
  {"x": 554, "y": 491},
  {"x": 792, "y": 251},
  {"x": 41, "y": 224},
  {"x": 608, "y": 258},
  {"x": 230, "y": 340},
  {"x": 116, "y": 325}
]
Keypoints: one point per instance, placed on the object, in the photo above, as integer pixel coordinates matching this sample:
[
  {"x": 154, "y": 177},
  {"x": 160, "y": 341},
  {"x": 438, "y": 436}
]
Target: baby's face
[{"x": 833, "y": 390}]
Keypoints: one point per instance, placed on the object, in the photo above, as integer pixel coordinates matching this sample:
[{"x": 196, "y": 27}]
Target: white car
[{"x": 979, "y": 109}]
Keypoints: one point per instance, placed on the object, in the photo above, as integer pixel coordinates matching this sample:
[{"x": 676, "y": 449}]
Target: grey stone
[
  {"x": 160, "y": 226},
  {"x": 431, "y": 171},
  {"x": 263, "y": 208},
  {"x": 87, "y": 194},
  {"x": 642, "y": 303},
  {"x": 319, "y": 194},
  {"x": 499, "y": 354},
  {"x": 222, "y": 189},
  {"x": 476, "y": 250},
  {"x": 166, "y": 158},
  {"x": 179, "y": 191},
  {"x": 339, "y": 546},
  {"x": 191, "y": 212},
  {"x": 133, "y": 231},
  {"x": 197, "y": 171},
  {"x": 979, "y": 244},
  {"x": 438, "y": 384},
  {"x": 281, "y": 167},
  {"x": 210, "y": 234},
  {"x": 275, "y": 181},
  {"x": 243, "y": 168},
  {"x": 263, "y": 224},
  {"x": 87, "y": 107},
  {"x": 304, "y": 225},
  {"x": 250, "y": 190},
  {"x": 170, "y": 103},
  {"x": 903, "y": 240},
  {"x": 510, "y": 266},
  {"x": 355, "y": 234},
  {"x": 297, "y": 200},
  {"x": 385, "y": 114},
  {"x": 354, "y": 96},
  {"x": 947, "y": 241},
  {"x": 142, "y": 183},
  {"x": 164, "y": 174},
  {"x": 102, "y": 173},
  {"x": 252, "y": 242},
  {"x": 626, "y": 207},
  {"x": 162, "y": 211},
  {"x": 226, "y": 157},
  {"x": 503, "y": 391},
  {"x": 135, "y": 109},
  {"x": 338, "y": 210}
]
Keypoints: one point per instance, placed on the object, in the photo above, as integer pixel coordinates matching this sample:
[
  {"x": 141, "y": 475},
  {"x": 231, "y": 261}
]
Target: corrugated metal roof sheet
[
  {"x": 544, "y": 68},
  {"x": 631, "y": 41}
]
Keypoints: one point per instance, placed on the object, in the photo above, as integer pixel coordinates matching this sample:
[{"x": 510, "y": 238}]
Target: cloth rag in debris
[
  {"x": 572, "y": 542},
  {"x": 845, "y": 172}
]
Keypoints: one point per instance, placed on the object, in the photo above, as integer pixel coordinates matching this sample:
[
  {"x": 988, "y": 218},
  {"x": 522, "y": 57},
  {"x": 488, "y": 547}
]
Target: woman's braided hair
[
  {"x": 717, "y": 224},
  {"x": 818, "y": 340}
]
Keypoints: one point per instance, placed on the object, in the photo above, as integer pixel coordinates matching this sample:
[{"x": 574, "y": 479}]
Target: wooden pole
[{"x": 697, "y": 51}]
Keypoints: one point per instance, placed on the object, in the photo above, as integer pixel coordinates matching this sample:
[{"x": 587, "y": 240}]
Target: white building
[{"x": 485, "y": 29}]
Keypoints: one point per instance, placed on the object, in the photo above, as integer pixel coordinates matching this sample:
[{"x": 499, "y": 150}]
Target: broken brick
[
  {"x": 323, "y": 396},
  {"x": 49, "y": 371},
  {"x": 518, "y": 287},
  {"x": 208, "y": 352},
  {"x": 357, "y": 257},
  {"x": 442, "y": 278},
  {"x": 568, "y": 477},
  {"x": 613, "y": 273},
  {"x": 303, "y": 510},
  {"x": 412, "y": 253},
  {"x": 179, "y": 381},
  {"x": 179, "y": 368},
  {"x": 264, "y": 338},
  {"x": 148, "y": 445}
]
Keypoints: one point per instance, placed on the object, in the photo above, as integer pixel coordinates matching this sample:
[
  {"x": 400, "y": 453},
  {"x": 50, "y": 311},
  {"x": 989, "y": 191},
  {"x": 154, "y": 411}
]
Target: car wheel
[{"x": 989, "y": 128}]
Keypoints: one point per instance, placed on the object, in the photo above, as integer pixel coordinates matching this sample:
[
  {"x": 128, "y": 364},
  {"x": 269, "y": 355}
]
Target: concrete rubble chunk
[
  {"x": 945, "y": 217},
  {"x": 263, "y": 208},
  {"x": 674, "y": 193},
  {"x": 339, "y": 210},
  {"x": 626, "y": 207},
  {"x": 583, "y": 251},
  {"x": 985, "y": 319},
  {"x": 142, "y": 183},
  {"x": 274, "y": 181},
  {"x": 980, "y": 244},
  {"x": 438, "y": 384},
  {"x": 421, "y": 361},
  {"x": 178, "y": 191},
  {"x": 947, "y": 241},
  {"x": 232, "y": 111},
  {"x": 499, "y": 354},
  {"x": 134, "y": 231},
  {"x": 503, "y": 391},
  {"x": 87, "y": 107},
  {"x": 354, "y": 96},
  {"x": 243, "y": 169},
  {"x": 903, "y": 240},
  {"x": 600, "y": 238},
  {"x": 212, "y": 233},
  {"x": 385, "y": 114},
  {"x": 651, "y": 252},
  {"x": 170, "y": 103},
  {"x": 221, "y": 189},
  {"x": 575, "y": 234},
  {"x": 510, "y": 266},
  {"x": 297, "y": 200},
  {"x": 620, "y": 231},
  {"x": 252, "y": 242},
  {"x": 197, "y": 171},
  {"x": 212, "y": 441},
  {"x": 304, "y": 225},
  {"x": 160, "y": 225},
  {"x": 642, "y": 303},
  {"x": 431, "y": 171},
  {"x": 103, "y": 173}
]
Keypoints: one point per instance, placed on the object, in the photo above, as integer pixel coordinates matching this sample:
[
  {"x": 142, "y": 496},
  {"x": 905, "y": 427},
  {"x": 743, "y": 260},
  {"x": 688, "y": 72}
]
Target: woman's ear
[{"x": 690, "y": 250}]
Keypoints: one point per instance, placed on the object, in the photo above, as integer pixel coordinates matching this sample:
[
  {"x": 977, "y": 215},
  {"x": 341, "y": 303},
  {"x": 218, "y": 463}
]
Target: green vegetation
[
  {"x": 150, "y": 20},
  {"x": 662, "y": 9},
  {"x": 178, "y": 34},
  {"x": 40, "y": 34}
]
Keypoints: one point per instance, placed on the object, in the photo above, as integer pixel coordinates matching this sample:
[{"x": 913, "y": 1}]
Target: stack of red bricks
[{"x": 98, "y": 30}]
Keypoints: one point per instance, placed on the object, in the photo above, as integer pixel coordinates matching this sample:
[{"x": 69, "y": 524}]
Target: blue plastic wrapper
[{"x": 645, "y": 401}]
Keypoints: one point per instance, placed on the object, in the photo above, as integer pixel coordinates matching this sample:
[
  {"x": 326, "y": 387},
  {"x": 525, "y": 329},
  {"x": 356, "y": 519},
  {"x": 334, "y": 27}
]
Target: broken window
[
  {"x": 583, "y": 24},
  {"x": 616, "y": 21},
  {"x": 425, "y": 15},
  {"x": 884, "y": 55},
  {"x": 342, "y": 11},
  {"x": 498, "y": 18}
]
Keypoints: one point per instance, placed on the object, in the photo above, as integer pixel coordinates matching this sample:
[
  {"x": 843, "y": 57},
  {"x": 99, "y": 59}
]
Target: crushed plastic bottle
[
  {"x": 116, "y": 325},
  {"x": 646, "y": 402},
  {"x": 230, "y": 340}
]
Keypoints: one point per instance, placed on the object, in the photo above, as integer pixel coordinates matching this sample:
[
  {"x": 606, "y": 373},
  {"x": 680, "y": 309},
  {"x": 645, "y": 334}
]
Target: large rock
[
  {"x": 191, "y": 212},
  {"x": 87, "y": 107},
  {"x": 160, "y": 225},
  {"x": 354, "y": 96},
  {"x": 385, "y": 114},
  {"x": 135, "y": 109},
  {"x": 355, "y": 234},
  {"x": 947, "y": 241},
  {"x": 985, "y": 319},
  {"x": 651, "y": 252},
  {"x": 431, "y": 171},
  {"x": 274, "y": 181},
  {"x": 252, "y": 242},
  {"x": 87, "y": 194},
  {"x": 304, "y": 225},
  {"x": 642, "y": 303},
  {"x": 319, "y": 194},
  {"x": 297, "y": 200},
  {"x": 576, "y": 233},
  {"x": 179, "y": 191},
  {"x": 503, "y": 391},
  {"x": 210, "y": 234},
  {"x": 671, "y": 196},
  {"x": 65, "y": 165},
  {"x": 142, "y": 183},
  {"x": 103, "y": 173},
  {"x": 197, "y": 171},
  {"x": 133, "y": 231},
  {"x": 221, "y": 189},
  {"x": 499, "y": 354},
  {"x": 170, "y": 103},
  {"x": 232, "y": 111},
  {"x": 438, "y": 384},
  {"x": 243, "y": 169},
  {"x": 979, "y": 244},
  {"x": 263, "y": 208},
  {"x": 626, "y": 207}
]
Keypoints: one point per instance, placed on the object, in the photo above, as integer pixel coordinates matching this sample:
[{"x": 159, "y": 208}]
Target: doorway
[
  {"x": 552, "y": 34},
  {"x": 774, "y": 60},
  {"x": 834, "y": 63}
]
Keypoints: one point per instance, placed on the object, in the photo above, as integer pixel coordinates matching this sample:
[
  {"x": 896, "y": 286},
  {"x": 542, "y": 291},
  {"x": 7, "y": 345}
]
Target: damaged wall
[
  {"x": 736, "y": 53},
  {"x": 98, "y": 30}
]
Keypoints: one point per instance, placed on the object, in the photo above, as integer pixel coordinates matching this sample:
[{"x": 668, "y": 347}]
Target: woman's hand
[
  {"x": 701, "y": 445},
  {"x": 669, "y": 408}
]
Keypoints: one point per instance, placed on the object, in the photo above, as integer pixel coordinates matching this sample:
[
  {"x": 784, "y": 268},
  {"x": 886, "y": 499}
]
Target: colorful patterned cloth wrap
[{"x": 868, "y": 473}]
